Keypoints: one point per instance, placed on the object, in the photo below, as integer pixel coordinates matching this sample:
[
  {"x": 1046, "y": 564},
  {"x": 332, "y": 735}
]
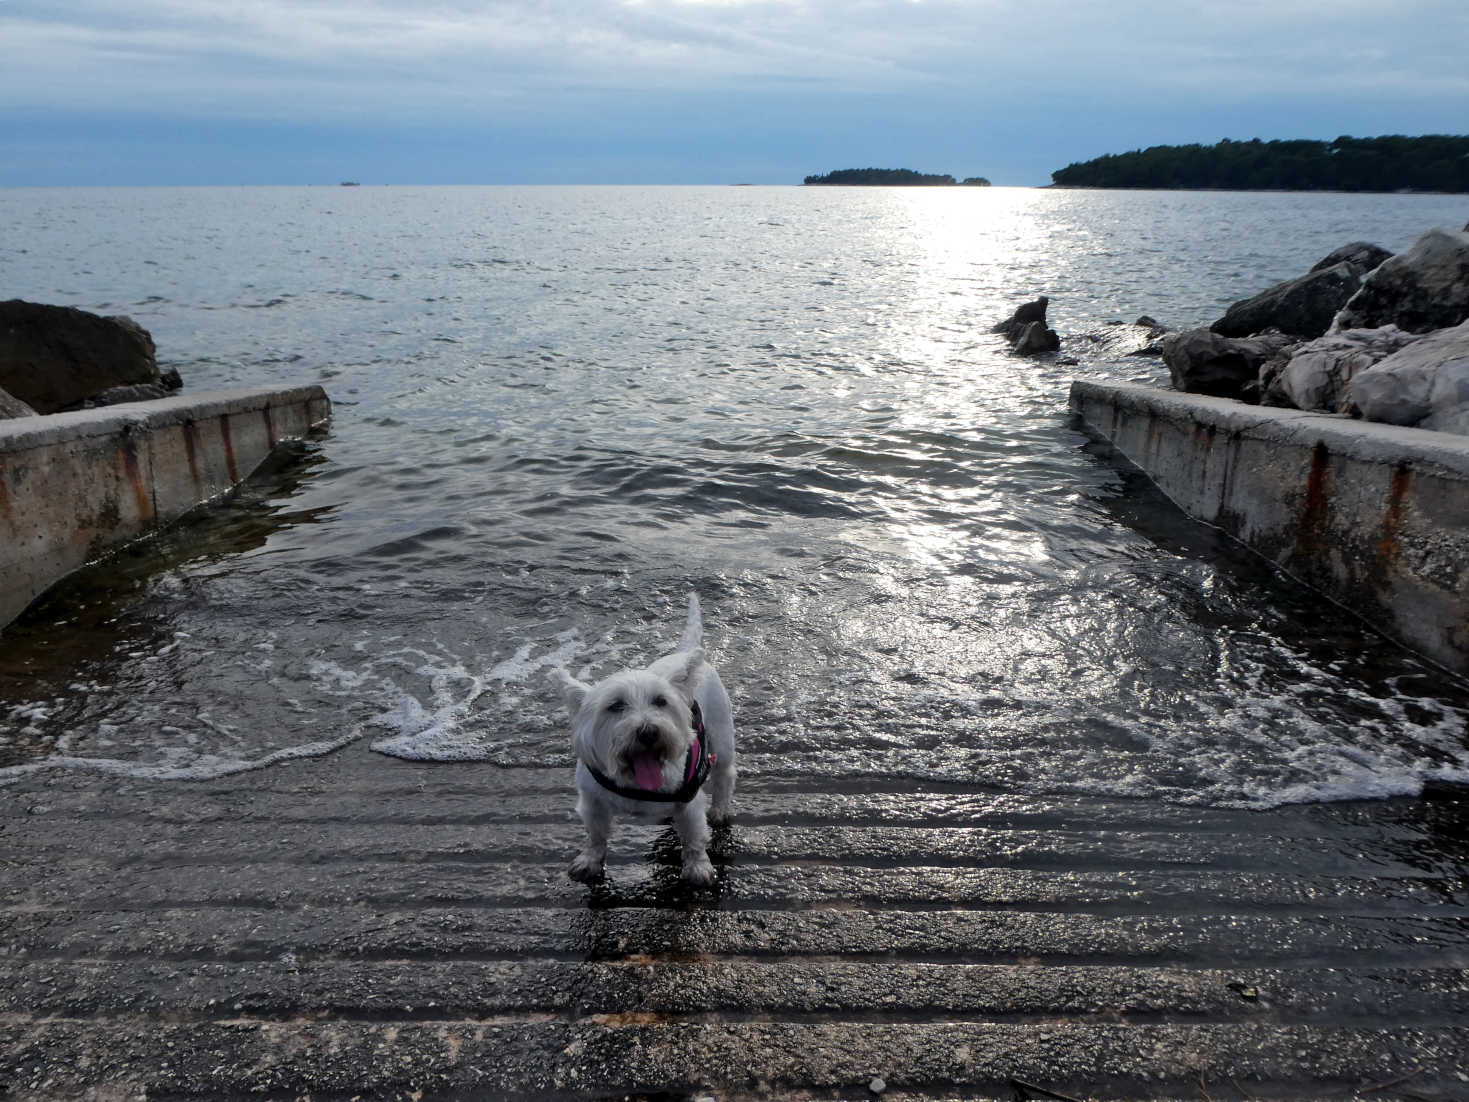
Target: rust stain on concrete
[
  {"x": 142, "y": 499},
  {"x": 1154, "y": 437},
  {"x": 229, "y": 449},
  {"x": 1311, "y": 536},
  {"x": 191, "y": 451},
  {"x": 1387, "y": 543},
  {"x": 269, "y": 427}
]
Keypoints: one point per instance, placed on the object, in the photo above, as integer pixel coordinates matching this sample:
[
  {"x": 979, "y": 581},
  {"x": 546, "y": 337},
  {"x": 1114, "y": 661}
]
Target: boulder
[
  {"x": 1425, "y": 384},
  {"x": 11, "y": 406},
  {"x": 1200, "y": 361},
  {"x": 1423, "y": 289},
  {"x": 1023, "y": 316},
  {"x": 56, "y": 357},
  {"x": 1303, "y": 307},
  {"x": 1027, "y": 331},
  {"x": 1362, "y": 256},
  {"x": 1315, "y": 375},
  {"x": 1035, "y": 338}
]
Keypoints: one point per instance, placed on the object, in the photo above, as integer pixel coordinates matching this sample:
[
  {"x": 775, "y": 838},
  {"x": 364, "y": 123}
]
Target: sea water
[{"x": 558, "y": 410}]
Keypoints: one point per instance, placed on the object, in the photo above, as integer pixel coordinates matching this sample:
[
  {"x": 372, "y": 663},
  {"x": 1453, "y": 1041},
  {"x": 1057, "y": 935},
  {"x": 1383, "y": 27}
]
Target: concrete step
[
  {"x": 360, "y": 928},
  {"x": 758, "y": 884},
  {"x": 603, "y": 1057},
  {"x": 791, "y": 988},
  {"x": 371, "y": 933},
  {"x": 312, "y": 844}
]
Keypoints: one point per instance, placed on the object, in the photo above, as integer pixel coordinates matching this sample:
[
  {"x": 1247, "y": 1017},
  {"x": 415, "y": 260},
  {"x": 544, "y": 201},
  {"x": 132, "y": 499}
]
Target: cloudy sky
[{"x": 694, "y": 91}]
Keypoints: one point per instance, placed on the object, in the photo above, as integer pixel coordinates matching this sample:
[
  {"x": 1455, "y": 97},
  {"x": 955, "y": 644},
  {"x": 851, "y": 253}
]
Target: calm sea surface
[{"x": 557, "y": 410}]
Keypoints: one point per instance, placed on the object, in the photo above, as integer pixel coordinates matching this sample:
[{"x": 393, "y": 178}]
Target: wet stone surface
[{"x": 360, "y": 928}]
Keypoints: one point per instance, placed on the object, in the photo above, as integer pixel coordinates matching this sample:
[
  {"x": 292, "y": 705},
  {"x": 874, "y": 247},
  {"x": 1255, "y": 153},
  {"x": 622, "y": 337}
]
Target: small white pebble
[{"x": 877, "y": 1086}]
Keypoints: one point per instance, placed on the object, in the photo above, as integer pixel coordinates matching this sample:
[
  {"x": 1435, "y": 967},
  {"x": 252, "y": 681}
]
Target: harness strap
[{"x": 696, "y": 771}]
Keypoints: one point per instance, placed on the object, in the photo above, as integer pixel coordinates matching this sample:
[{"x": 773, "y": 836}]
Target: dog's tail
[{"x": 693, "y": 629}]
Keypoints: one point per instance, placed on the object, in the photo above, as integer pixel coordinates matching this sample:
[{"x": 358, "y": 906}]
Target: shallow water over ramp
[{"x": 1030, "y": 762}]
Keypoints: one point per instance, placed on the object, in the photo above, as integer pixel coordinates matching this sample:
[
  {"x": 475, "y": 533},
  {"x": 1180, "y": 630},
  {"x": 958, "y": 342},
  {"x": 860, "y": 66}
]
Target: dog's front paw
[
  {"x": 585, "y": 868},
  {"x": 698, "y": 870}
]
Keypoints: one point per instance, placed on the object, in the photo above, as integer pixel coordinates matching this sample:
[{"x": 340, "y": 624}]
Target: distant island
[
  {"x": 889, "y": 177},
  {"x": 1435, "y": 162}
]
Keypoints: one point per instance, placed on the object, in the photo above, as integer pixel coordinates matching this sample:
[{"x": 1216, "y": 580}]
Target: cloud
[
  {"x": 856, "y": 75},
  {"x": 326, "y": 56}
]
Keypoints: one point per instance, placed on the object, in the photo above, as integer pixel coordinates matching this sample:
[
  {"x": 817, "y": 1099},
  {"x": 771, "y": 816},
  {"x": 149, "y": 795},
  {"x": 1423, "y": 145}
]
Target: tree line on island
[
  {"x": 1434, "y": 162},
  {"x": 890, "y": 177}
]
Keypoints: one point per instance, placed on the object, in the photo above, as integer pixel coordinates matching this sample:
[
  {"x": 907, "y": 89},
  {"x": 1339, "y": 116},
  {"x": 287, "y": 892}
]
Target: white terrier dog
[{"x": 652, "y": 744}]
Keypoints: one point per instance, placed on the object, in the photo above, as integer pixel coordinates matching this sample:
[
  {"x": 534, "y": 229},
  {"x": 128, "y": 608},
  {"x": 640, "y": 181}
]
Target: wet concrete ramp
[{"x": 356, "y": 927}]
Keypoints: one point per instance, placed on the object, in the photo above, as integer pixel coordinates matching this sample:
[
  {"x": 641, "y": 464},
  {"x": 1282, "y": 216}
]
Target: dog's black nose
[{"x": 646, "y": 736}]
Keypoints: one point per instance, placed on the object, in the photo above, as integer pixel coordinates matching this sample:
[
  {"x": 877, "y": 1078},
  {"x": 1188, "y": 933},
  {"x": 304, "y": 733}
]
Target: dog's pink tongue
[{"x": 648, "y": 771}]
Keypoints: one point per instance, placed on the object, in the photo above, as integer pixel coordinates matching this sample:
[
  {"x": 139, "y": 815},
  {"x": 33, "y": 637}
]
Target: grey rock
[
  {"x": 55, "y": 357},
  {"x": 11, "y": 406},
  {"x": 1302, "y": 307},
  {"x": 1200, "y": 361},
  {"x": 1315, "y": 375},
  {"x": 1362, "y": 256},
  {"x": 1035, "y": 338},
  {"x": 1023, "y": 316},
  {"x": 117, "y": 395},
  {"x": 1425, "y": 385},
  {"x": 1420, "y": 290},
  {"x": 1027, "y": 331}
]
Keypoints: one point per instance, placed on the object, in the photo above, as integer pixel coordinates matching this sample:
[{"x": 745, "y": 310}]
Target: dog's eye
[
  {"x": 660, "y": 702},
  {"x": 617, "y": 706}
]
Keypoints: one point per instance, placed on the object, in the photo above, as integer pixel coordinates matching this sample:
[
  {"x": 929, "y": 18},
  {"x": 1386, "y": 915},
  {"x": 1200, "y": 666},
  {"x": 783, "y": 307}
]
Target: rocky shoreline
[
  {"x": 1364, "y": 333},
  {"x": 55, "y": 359}
]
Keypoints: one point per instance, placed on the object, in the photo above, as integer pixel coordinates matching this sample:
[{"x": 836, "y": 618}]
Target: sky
[{"x": 189, "y": 92}]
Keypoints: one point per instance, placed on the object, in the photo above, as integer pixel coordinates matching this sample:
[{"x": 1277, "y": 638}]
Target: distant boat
[{"x": 350, "y": 183}]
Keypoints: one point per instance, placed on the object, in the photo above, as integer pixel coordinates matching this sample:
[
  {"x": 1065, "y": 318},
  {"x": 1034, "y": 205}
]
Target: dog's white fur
[{"x": 642, "y": 712}]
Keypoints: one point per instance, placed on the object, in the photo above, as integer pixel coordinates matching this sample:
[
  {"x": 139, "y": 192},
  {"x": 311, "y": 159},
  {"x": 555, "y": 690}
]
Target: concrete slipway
[
  {"x": 1375, "y": 516},
  {"x": 354, "y": 927},
  {"x": 74, "y": 486},
  {"x": 360, "y": 928}
]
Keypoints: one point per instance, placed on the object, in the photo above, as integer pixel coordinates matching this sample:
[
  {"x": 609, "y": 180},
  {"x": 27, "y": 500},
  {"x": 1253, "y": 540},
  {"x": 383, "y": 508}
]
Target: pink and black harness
[{"x": 696, "y": 771}]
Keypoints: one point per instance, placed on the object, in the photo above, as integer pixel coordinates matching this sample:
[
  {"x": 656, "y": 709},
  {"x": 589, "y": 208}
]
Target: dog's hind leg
[
  {"x": 597, "y": 817},
  {"x": 691, "y": 822},
  {"x": 720, "y": 787}
]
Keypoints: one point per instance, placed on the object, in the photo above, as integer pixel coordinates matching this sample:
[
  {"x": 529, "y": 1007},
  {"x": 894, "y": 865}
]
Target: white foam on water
[
  {"x": 171, "y": 744},
  {"x": 1268, "y": 751},
  {"x": 441, "y": 728},
  {"x": 177, "y": 765},
  {"x": 422, "y": 702},
  {"x": 28, "y": 717}
]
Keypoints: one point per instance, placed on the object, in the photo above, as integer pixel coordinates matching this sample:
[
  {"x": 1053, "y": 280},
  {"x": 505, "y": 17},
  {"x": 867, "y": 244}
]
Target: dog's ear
[
  {"x": 683, "y": 677},
  {"x": 573, "y": 692}
]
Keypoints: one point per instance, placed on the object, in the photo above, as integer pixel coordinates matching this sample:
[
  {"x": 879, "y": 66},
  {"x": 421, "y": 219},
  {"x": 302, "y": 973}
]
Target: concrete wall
[
  {"x": 1375, "y": 516},
  {"x": 74, "y": 486}
]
